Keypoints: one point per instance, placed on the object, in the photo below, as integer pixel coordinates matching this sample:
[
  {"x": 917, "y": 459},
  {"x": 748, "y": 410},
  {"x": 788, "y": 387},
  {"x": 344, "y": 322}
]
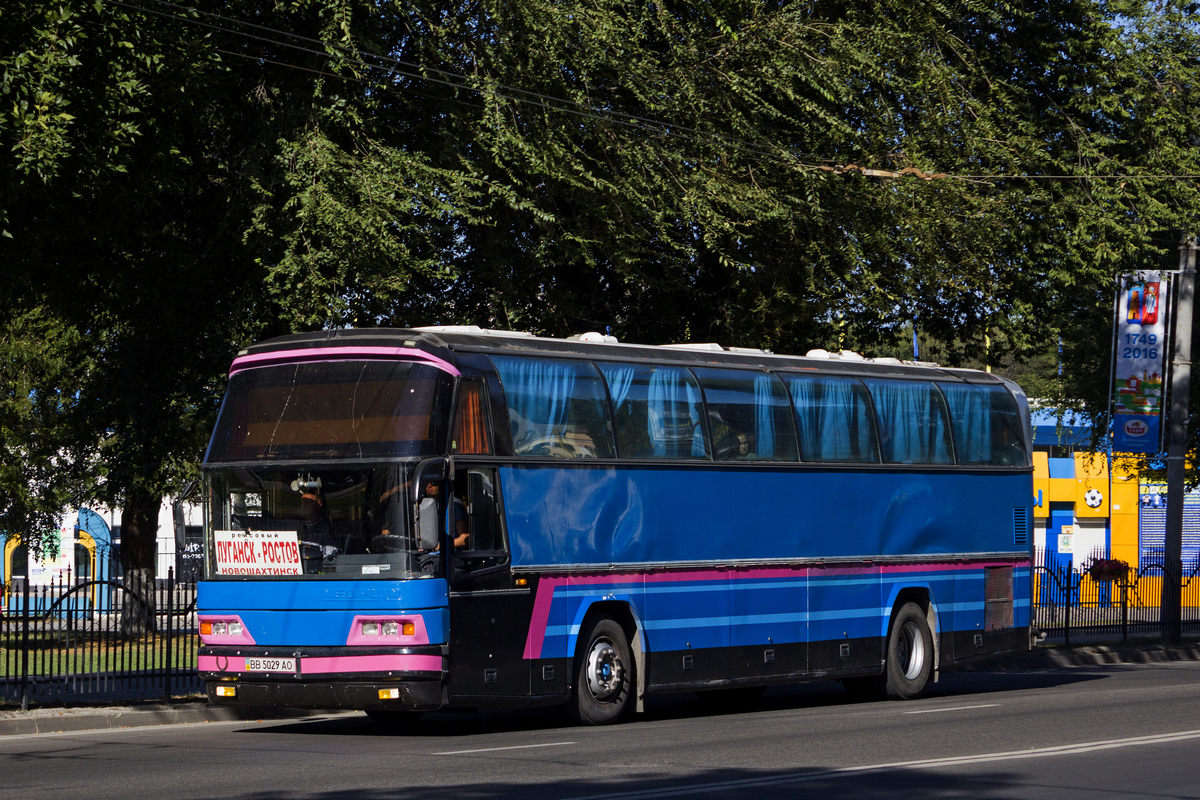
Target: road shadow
[
  {"x": 683, "y": 705},
  {"x": 815, "y": 782}
]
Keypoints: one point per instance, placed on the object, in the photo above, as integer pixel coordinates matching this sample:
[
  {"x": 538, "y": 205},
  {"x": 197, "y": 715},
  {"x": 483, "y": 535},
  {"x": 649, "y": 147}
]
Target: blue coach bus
[{"x": 408, "y": 520}]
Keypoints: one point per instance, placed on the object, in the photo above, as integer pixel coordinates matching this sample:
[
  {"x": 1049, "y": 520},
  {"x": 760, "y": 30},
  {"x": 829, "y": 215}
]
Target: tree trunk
[{"x": 139, "y": 535}]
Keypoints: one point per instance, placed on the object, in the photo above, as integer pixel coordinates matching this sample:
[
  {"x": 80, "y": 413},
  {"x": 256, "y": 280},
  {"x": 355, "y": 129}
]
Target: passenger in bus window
[
  {"x": 316, "y": 532},
  {"x": 458, "y": 513},
  {"x": 729, "y": 443}
]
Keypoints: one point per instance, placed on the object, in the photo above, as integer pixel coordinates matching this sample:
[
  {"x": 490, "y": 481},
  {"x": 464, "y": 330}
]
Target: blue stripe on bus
[{"x": 735, "y": 611}]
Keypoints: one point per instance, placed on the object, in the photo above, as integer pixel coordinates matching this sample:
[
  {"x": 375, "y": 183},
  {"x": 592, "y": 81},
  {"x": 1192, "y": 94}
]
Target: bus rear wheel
[
  {"x": 604, "y": 677},
  {"x": 909, "y": 654}
]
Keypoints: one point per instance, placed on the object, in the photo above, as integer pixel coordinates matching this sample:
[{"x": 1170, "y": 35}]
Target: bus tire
[
  {"x": 909, "y": 654},
  {"x": 604, "y": 677}
]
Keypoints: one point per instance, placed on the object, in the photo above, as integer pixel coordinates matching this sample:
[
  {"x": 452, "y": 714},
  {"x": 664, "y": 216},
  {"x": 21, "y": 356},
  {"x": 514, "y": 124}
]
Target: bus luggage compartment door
[{"x": 487, "y": 643}]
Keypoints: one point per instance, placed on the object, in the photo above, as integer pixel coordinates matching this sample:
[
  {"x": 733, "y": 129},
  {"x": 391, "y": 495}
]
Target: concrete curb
[
  {"x": 62, "y": 720},
  {"x": 84, "y": 718},
  {"x": 1084, "y": 655}
]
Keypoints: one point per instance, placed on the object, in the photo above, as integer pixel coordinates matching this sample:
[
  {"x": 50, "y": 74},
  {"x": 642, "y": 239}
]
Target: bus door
[{"x": 489, "y": 615}]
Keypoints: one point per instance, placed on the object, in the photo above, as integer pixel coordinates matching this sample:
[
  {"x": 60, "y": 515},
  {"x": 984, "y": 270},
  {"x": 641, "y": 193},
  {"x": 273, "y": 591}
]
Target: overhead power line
[{"x": 393, "y": 66}]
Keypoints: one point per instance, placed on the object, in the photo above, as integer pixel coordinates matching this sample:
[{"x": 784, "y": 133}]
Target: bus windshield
[
  {"x": 322, "y": 410},
  {"x": 315, "y": 523}
]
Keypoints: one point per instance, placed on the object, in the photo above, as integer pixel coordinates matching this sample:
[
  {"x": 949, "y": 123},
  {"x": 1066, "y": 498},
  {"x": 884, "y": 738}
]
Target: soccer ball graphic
[{"x": 1093, "y": 498}]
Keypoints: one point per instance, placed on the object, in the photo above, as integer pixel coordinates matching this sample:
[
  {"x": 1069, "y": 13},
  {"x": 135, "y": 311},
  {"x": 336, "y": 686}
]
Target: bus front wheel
[
  {"x": 909, "y": 654},
  {"x": 604, "y": 678}
]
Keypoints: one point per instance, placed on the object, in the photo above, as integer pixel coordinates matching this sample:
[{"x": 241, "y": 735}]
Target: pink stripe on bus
[
  {"x": 338, "y": 354},
  {"x": 399, "y": 663},
  {"x": 540, "y": 618}
]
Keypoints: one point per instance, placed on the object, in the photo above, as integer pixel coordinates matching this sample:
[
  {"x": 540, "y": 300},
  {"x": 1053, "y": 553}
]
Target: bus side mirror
[{"x": 427, "y": 523}]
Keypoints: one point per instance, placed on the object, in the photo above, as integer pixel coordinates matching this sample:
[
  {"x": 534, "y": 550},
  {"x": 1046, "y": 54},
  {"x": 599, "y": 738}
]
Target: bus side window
[
  {"x": 471, "y": 430},
  {"x": 914, "y": 423},
  {"x": 481, "y": 503},
  {"x": 556, "y": 407},
  {"x": 987, "y": 425},
  {"x": 483, "y": 515}
]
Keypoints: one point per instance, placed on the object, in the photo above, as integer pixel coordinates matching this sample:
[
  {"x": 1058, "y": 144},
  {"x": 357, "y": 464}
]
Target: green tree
[{"x": 176, "y": 181}]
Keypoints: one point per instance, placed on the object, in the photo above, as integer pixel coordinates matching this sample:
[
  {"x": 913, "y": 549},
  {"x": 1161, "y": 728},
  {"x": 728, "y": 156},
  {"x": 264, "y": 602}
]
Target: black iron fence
[
  {"x": 97, "y": 640},
  {"x": 1075, "y": 602}
]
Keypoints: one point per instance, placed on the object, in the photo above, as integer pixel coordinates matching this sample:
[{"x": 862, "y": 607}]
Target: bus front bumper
[
  {"x": 416, "y": 695},
  {"x": 339, "y": 677}
]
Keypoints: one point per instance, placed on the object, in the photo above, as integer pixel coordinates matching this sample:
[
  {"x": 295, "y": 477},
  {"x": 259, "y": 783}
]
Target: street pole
[{"x": 1177, "y": 420}]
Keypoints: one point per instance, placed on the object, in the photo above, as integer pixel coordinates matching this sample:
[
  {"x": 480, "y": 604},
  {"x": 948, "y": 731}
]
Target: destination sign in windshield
[{"x": 257, "y": 553}]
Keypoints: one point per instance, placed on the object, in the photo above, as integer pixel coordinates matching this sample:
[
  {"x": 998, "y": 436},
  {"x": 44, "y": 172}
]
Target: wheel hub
[{"x": 604, "y": 670}]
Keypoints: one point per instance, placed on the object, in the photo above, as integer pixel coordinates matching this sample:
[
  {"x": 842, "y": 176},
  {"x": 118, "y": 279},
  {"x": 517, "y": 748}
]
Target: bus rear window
[{"x": 342, "y": 409}]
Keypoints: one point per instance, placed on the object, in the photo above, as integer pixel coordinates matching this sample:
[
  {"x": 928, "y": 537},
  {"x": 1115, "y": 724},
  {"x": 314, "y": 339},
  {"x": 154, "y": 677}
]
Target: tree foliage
[{"x": 177, "y": 180}]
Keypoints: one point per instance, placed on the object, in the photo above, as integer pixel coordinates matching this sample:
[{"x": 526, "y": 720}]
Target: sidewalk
[
  {"x": 61, "y": 719},
  {"x": 198, "y": 709}
]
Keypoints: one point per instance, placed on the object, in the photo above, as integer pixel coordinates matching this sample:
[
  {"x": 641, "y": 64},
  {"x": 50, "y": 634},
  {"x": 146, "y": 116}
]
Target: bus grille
[
  {"x": 1021, "y": 526},
  {"x": 998, "y": 598}
]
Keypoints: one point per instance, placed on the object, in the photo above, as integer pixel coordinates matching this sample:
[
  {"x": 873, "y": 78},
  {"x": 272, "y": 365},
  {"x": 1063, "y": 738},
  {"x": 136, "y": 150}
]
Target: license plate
[{"x": 270, "y": 665}]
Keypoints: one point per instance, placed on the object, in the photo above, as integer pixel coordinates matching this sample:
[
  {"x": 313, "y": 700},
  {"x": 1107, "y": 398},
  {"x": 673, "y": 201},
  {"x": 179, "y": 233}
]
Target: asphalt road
[{"x": 1117, "y": 731}]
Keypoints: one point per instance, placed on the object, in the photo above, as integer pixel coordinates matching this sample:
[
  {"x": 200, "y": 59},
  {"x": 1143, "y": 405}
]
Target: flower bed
[{"x": 1108, "y": 569}]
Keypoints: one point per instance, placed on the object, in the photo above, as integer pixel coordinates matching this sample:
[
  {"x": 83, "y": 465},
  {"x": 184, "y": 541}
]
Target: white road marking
[
  {"x": 929, "y": 763},
  {"x": 954, "y": 708},
  {"x": 497, "y": 749}
]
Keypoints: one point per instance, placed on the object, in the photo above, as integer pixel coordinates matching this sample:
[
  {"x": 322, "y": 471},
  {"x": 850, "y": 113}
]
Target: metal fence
[
  {"x": 1070, "y": 606},
  {"x": 97, "y": 640}
]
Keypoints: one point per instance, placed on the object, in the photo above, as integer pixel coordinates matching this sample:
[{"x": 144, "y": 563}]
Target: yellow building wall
[
  {"x": 1041, "y": 484},
  {"x": 1123, "y": 535},
  {"x": 1118, "y": 501},
  {"x": 1091, "y": 475}
]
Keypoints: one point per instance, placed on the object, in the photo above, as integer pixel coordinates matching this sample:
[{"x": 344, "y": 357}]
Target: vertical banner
[{"x": 1139, "y": 373}]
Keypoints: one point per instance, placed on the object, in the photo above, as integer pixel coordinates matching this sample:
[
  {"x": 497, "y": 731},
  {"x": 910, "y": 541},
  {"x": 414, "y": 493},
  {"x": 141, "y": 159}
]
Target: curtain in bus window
[
  {"x": 834, "y": 419},
  {"x": 773, "y": 432},
  {"x": 656, "y": 410},
  {"x": 620, "y": 380},
  {"x": 471, "y": 434},
  {"x": 674, "y": 404},
  {"x": 913, "y": 422},
  {"x": 555, "y": 408},
  {"x": 987, "y": 428}
]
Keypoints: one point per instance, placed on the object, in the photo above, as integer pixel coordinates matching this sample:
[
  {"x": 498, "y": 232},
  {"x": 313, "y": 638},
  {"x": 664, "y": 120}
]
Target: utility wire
[{"x": 458, "y": 81}]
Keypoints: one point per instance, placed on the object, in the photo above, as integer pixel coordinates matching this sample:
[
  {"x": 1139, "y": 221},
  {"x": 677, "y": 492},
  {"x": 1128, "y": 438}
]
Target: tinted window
[
  {"x": 470, "y": 430},
  {"x": 749, "y": 416},
  {"x": 556, "y": 408},
  {"x": 914, "y": 428},
  {"x": 333, "y": 409},
  {"x": 656, "y": 411},
  {"x": 987, "y": 425},
  {"x": 834, "y": 419}
]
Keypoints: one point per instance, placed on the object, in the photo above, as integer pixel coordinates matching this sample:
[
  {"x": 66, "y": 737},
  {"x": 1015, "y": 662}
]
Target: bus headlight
[{"x": 387, "y": 628}]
